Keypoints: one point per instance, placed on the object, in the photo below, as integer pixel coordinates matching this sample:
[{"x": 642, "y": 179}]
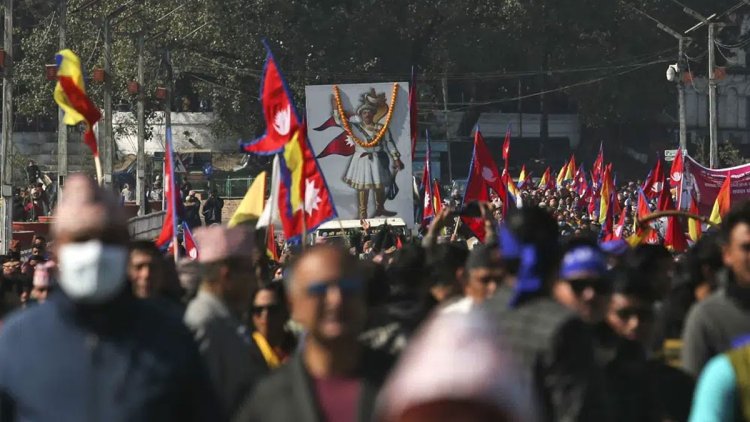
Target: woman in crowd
[{"x": 269, "y": 314}]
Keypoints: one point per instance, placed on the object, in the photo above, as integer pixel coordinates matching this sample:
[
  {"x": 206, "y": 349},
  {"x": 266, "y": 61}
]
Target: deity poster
[{"x": 360, "y": 136}]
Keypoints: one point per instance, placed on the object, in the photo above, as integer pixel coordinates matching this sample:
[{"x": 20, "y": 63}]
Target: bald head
[
  {"x": 327, "y": 294},
  {"x": 88, "y": 212}
]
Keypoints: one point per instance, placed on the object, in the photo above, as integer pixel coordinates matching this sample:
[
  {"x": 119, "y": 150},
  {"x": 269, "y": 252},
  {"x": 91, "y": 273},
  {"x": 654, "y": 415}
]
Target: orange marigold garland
[{"x": 348, "y": 129}]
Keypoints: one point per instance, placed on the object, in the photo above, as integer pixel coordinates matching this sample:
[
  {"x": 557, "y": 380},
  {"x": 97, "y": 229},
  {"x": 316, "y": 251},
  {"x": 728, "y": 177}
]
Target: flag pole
[
  {"x": 98, "y": 166},
  {"x": 304, "y": 225}
]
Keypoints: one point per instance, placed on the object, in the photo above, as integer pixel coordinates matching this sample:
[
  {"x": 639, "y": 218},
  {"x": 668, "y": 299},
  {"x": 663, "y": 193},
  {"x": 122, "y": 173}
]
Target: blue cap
[
  {"x": 583, "y": 259},
  {"x": 615, "y": 247}
]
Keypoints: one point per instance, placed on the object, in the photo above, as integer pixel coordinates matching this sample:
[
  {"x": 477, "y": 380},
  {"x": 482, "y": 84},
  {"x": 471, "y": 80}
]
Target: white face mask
[{"x": 92, "y": 272}]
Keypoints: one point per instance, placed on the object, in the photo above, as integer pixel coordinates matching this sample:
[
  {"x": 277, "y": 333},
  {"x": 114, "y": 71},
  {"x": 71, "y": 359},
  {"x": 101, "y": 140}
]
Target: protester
[
  {"x": 215, "y": 313},
  {"x": 189, "y": 276},
  {"x": 146, "y": 271},
  {"x": 92, "y": 352},
  {"x": 273, "y": 344},
  {"x": 456, "y": 368},
  {"x": 582, "y": 286},
  {"x": 333, "y": 378},
  {"x": 45, "y": 275},
  {"x": 550, "y": 344},
  {"x": 721, "y": 393},
  {"x": 715, "y": 323},
  {"x": 695, "y": 280},
  {"x": 127, "y": 194},
  {"x": 192, "y": 208},
  {"x": 33, "y": 174},
  {"x": 212, "y": 208},
  {"x": 482, "y": 275},
  {"x": 447, "y": 272}
]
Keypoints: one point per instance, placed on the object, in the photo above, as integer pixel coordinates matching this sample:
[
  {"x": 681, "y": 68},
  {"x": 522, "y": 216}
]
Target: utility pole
[
  {"x": 447, "y": 126},
  {"x": 520, "y": 109},
  {"x": 141, "y": 156},
  {"x": 682, "y": 43},
  {"x": 62, "y": 128},
  {"x": 6, "y": 172},
  {"x": 713, "y": 126},
  {"x": 107, "y": 146},
  {"x": 681, "y": 94}
]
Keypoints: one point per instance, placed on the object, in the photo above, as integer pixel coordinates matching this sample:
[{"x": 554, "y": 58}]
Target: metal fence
[{"x": 233, "y": 187}]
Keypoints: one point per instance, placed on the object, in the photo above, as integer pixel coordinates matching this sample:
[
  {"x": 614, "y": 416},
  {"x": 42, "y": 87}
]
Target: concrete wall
[
  {"x": 185, "y": 127},
  {"x": 146, "y": 227}
]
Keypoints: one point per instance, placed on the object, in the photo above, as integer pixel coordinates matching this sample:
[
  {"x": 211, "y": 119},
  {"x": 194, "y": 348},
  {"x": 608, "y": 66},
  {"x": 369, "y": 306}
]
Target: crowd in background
[{"x": 538, "y": 322}]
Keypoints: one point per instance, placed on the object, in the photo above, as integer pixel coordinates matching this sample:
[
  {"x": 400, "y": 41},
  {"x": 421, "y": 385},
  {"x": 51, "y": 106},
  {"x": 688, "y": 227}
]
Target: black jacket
[
  {"x": 553, "y": 350},
  {"x": 288, "y": 393}
]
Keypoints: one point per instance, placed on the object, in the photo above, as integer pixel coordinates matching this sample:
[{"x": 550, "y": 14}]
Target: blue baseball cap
[{"x": 583, "y": 260}]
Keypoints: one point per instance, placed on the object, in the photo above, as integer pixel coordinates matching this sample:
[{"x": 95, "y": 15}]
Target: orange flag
[
  {"x": 723, "y": 201},
  {"x": 694, "y": 226}
]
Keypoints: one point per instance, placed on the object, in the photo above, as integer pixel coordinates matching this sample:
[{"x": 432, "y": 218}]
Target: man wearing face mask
[{"x": 92, "y": 351}]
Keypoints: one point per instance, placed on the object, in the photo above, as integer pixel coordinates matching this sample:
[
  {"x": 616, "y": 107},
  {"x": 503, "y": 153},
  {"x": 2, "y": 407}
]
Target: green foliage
[{"x": 480, "y": 45}]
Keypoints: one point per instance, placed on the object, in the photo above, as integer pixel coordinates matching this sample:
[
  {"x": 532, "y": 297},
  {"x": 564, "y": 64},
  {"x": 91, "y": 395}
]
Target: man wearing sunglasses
[
  {"x": 582, "y": 286},
  {"x": 333, "y": 378}
]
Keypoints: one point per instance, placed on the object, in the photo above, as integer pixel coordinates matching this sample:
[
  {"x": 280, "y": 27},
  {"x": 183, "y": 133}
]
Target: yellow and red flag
[
  {"x": 546, "y": 181},
  {"x": 570, "y": 172},
  {"x": 437, "y": 198},
  {"x": 304, "y": 199},
  {"x": 723, "y": 201},
  {"x": 70, "y": 95}
]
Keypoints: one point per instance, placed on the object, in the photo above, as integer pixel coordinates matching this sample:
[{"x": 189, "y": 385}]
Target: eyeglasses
[
  {"x": 600, "y": 286},
  {"x": 642, "y": 313},
  {"x": 272, "y": 308},
  {"x": 347, "y": 286}
]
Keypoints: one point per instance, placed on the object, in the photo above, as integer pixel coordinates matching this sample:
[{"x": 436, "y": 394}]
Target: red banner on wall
[{"x": 706, "y": 182}]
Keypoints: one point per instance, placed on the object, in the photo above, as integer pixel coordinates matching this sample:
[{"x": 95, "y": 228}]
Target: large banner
[
  {"x": 360, "y": 136},
  {"x": 706, "y": 182}
]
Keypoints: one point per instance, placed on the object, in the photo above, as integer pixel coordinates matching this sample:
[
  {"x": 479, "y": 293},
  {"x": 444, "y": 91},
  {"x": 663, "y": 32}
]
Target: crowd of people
[{"x": 538, "y": 322}]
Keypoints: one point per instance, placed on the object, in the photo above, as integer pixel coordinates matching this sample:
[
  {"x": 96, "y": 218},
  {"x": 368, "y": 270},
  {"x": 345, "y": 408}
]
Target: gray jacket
[
  {"x": 226, "y": 346},
  {"x": 714, "y": 324}
]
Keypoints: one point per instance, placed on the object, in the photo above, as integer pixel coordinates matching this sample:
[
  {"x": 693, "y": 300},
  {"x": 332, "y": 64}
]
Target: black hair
[
  {"x": 376, "y": 283},
  {"x": 535, "y": 226},
  {"x": 406, "y": 273},
  {"x": 737, "y": 215},
  {"x": 646, "y": 258},
  {"x": 146, "y": 246},
  {"x": 444, "y": 260},
  {"x": 483, "y": 255},
  {"x": 704, "y": 255},
  {"x": 629, "y": 281},
  {"x": 277, "y": 287}
]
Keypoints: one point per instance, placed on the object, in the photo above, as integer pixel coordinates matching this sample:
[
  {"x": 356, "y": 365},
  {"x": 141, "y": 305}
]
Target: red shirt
[{"x": 338, "y": 398}]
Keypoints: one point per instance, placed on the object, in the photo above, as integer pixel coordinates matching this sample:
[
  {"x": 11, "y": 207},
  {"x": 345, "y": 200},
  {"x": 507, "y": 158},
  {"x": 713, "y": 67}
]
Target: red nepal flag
[
  {"x": 340, "y": 145},
  {"x": 483, "y": 176},
  {"x": 506, "y": 146},
  {"x": 169, "y": 227},
  {"x": 655, "y": 182},
  {"x": 191, "y": 249},
  {"x": 282, "y": 120}
]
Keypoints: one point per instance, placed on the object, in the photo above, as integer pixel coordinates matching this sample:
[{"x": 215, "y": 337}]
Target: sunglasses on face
[
  {"x": 642, "y": 313},
  {"x": 348, "y": 287},
  {"x": 599, "y": 285},
  {"x": 272, "y": 308}
]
